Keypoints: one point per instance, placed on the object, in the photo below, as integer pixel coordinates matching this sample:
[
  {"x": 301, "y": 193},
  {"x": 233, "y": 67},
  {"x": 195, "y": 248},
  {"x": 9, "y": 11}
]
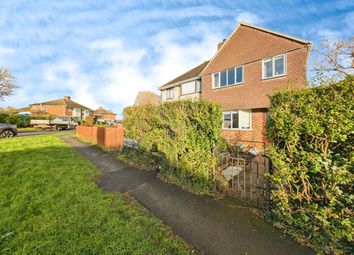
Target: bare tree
[
  {"x": 7, "y": 83},
  {"x": 146, "y": 97},
  {"x": 333, "y": 60}
]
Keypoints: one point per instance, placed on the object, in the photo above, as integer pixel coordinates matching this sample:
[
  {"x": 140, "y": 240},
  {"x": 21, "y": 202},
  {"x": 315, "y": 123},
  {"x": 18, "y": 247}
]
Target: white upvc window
[
  {"x": 274, "y": 66},
  {"x": 237, "y": 119},
  {"x": 229, "y": 77},
  {"x": 188, "y": 88},
  {"x": 198, "y": 86},
  {"x": 170, "y": 93}
]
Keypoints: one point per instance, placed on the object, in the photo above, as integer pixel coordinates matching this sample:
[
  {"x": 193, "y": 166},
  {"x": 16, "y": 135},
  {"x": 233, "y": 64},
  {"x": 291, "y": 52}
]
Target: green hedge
[
  {"x": 311, "y": 133},
  {"x": 18, "y": 120},
  {"x": 15, "y": 119},
  {"x": 184, "y": 133}
]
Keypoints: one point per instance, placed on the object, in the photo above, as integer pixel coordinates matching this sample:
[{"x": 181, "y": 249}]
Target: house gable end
[{"x": 250, "y": 43}]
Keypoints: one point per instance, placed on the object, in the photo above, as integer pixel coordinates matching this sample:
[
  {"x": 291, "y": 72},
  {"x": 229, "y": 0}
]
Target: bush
[
  {"x": 19, "y": 120},
  {"x": 184, "y": 133},
  {"x": 15, "y": 119},
  {"x": 311, "y": 146}
]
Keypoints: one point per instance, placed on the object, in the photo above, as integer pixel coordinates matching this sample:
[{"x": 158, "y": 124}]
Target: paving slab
[{"x": 213, "y": 226}]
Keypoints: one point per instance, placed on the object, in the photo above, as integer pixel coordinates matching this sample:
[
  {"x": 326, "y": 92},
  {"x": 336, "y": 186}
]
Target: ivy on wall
[
  {"x": 311, "y": 135},
  {"x": 184, "y": 133}
]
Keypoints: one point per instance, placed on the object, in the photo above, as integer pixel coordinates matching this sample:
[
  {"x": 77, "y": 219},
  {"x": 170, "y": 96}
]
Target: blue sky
[{"x": 102, "y": 53}]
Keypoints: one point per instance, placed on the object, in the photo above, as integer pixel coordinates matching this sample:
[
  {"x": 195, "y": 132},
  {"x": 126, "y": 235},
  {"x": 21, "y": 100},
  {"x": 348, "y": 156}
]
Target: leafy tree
[
  {"x": 7, "y": 83},
  {"x": 146, "y": 97}
]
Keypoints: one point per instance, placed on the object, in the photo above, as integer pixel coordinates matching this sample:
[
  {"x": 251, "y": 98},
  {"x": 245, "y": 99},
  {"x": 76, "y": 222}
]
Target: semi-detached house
[
  {"x": 61, "y": 107},
  {"x": 251, "y": 64}
]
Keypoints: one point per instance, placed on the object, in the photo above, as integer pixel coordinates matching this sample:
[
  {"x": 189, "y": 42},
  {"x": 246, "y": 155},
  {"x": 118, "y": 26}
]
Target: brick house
[
  {"x": 104, "y": 115},
  {"x": 61, "y": 107},
  {"x": 186, "y": 86},
  {"x": 248, "y": 66}
]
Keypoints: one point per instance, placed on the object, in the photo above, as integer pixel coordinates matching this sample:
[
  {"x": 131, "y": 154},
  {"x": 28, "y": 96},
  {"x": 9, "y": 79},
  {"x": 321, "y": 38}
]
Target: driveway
[{"x": 212, "y": 226}]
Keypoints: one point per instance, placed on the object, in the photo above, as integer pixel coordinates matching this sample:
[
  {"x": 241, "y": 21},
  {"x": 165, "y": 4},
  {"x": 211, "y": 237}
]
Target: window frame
[
  {"x": 197, "y": 87},
  {"x": 168, "y": 94},
  {"x": 284, "y": 55},
  {"x": 231, "y": 120},
  {"x": 227, "y": 77}
]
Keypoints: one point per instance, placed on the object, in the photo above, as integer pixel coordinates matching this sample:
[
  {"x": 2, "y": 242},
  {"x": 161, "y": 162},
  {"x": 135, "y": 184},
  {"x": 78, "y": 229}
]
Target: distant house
[
  {"x": 247, "y": 67},
  {"x": 185, "y": 86},
  {"x": 25, "y": 111},
  {"x": 61, "y": 107},
  {"x": 104, "y": 115}
]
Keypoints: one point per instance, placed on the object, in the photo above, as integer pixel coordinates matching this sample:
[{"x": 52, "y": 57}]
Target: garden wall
[{"x": 110, "y": 137}]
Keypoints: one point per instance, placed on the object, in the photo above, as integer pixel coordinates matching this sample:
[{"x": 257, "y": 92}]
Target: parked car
[{"x": 7, "y": 130}]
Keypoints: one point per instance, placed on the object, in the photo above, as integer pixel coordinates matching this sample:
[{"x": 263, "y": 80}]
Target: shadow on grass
[{"x": 49, "y": 203}]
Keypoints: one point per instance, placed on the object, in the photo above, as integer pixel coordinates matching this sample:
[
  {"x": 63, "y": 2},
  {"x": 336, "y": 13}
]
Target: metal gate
[{"x": 247, "y": 179}]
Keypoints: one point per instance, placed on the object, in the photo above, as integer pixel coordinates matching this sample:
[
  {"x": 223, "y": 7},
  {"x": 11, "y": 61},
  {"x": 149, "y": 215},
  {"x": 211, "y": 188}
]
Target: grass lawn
[
  {"x": 28, "y": 129},
  {"x": 50, "y": 204}
]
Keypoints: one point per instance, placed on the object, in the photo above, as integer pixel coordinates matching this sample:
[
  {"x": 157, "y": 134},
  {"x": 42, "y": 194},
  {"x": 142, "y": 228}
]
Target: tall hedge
[
  {"x": 15, "y": 119},
  {"x": 312, "y": 149},
  {"x": 184, "y": 133},
  {"x": 19, "y": 120}
]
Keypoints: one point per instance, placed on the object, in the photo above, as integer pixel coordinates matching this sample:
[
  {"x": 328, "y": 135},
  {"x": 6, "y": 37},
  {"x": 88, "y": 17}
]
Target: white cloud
[
  {"x": 349, "y": 20},
  {"x": 248, "y": 17},
  {"x": 67, "y": 77},
  {"x": 5, "y": 53},
  {"x": 329, "y": 34},
  {"x": 175, "y": 57},
  {"x": 123, "y": 76}
]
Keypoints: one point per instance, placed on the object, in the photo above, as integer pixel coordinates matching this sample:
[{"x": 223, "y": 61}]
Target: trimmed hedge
[
  {"x": 312, "y": 149},
  {"x": 184, "y": 133},
  {"x": 19, "y": 120},
  {"x": 15, "y": 119}
]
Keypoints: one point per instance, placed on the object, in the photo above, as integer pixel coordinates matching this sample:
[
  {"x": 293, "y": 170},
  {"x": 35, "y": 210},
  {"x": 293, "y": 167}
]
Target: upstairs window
[
  {"x": 198, "y": 86},
  {"x": 274, "y": 67},
  {"x": 229, "y": 77},
  {"x": 238, "y": 119},
  {"x": 170, "y": 93},
  {"x": 188, "y": 88},
  {"x": 223, "y": 78},
  {"x": 216, "y": 80}
]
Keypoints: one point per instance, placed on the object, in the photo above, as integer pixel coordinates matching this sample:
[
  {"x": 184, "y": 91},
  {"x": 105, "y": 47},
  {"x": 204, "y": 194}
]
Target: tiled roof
[
  {"x": 101, "y": 110},
  {"x": 65, "y": 102},
  {"x": 23, "y": 109},
  {"x": 194, "y": 72}
]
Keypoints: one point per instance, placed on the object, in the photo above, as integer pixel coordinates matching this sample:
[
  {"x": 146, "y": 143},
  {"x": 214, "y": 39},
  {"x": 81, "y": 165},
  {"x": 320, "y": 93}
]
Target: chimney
[
  {"x": 221, "y": 43},
  {"x": 67, "y": 97}
]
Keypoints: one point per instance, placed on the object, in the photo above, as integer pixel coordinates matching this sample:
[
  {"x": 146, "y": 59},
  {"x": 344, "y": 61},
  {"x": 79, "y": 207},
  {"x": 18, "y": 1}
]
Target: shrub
[
  {"x": 311, "y": 146},
  {"x": 15, "y": 119},
  {"x": 19, "y": 120},
  {"x": 184, "y": 133}
]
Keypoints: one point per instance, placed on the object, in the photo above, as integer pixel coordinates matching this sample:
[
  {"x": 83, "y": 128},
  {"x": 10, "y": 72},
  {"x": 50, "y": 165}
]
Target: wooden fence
[{"x": 110, "y": 137}]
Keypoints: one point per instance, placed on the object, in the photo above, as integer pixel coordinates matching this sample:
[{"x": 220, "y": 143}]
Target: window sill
[
  {"x": 191, "y": 93},
  {"x": 274, "y": 77},
  {"x": 229, "y": 86},
  {"x": 237, "y": 129}
]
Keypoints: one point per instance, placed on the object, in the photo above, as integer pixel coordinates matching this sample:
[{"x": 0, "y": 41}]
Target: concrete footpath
[{"x": 212, "y": 226}]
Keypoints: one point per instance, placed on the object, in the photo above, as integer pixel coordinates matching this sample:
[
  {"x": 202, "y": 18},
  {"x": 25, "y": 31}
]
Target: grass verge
[
  {"x": 50, "y": 204},
  {"x": 28, "y": 129}
]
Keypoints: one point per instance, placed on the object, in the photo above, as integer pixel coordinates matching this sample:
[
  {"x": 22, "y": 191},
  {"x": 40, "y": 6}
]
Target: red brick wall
[
  {"x": 55, "y": 110},
  {"x": 255, "y": 137},
  {"x": 111, "y": 137},
  {"x": 248, "y": 46}
]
